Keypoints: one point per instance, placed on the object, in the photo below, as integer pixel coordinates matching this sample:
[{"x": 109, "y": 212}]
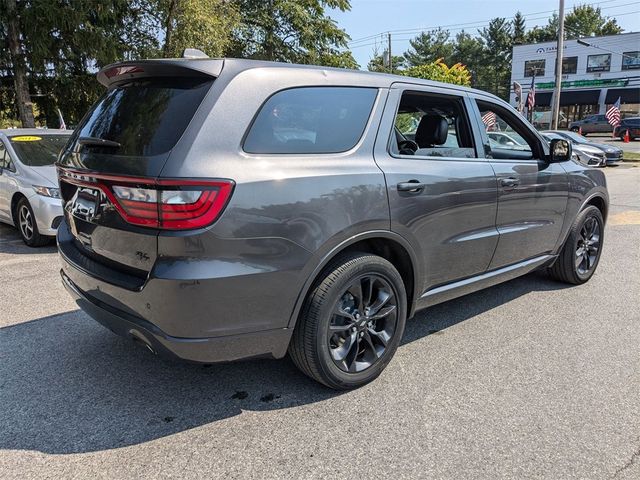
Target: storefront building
[{"x": 594, "y": 76}]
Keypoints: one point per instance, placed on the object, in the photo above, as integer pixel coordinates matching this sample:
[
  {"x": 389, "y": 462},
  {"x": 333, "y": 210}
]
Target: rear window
[
  {"x": 311, "y": 120},
  {"x": 38, "y": 150},
  {"x": 146, "y": 117}
]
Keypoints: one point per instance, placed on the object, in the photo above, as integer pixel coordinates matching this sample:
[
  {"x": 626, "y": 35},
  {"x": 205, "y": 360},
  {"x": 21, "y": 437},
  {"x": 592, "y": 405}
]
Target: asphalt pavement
[{"x": 528, "y": 379}]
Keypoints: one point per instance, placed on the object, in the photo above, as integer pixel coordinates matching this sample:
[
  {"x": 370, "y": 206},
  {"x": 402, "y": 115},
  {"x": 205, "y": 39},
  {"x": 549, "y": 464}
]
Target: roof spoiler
[{"x": 170, "y": 67}]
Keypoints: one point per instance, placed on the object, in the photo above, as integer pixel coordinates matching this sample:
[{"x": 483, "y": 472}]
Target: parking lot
[{"x": 529, "y": 379}]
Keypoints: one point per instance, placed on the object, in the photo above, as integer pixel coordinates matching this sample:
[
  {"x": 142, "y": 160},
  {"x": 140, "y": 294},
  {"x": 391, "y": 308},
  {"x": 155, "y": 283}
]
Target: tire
[
  {"x": 345, "y": 358},
  {"x": 27, "y": 226},
  {"x": 572, "y": 266}
]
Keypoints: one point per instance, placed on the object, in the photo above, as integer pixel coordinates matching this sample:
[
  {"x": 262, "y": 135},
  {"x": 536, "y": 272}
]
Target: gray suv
[
  {"x": 220, "y": 209},
  {"x": 591, "y": 124}
]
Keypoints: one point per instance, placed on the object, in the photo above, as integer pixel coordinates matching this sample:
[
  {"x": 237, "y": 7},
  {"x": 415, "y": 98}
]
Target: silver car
[
  {"x": 29, "y": 193},
  {"x": 586, "y": 154}
]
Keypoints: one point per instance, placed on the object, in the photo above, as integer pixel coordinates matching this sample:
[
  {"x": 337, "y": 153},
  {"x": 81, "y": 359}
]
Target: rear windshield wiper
[{"x": 97, "y": 142}]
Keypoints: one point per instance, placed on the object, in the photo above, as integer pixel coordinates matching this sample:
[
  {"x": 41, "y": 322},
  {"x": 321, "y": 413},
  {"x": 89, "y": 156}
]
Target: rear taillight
[{"x": 170, "y": 204}]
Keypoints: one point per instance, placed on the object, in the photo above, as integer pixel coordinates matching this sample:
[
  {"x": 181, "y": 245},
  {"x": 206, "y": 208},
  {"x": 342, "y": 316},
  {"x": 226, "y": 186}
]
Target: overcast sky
[{"x": 368, "y": 19}]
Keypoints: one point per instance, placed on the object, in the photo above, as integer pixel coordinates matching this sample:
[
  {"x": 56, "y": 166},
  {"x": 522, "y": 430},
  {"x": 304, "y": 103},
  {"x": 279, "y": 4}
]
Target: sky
[{"x": 368, "y": 20}]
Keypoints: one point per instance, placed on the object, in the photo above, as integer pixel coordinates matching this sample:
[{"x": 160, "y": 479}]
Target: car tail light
[{"x": 170, "y": 204}]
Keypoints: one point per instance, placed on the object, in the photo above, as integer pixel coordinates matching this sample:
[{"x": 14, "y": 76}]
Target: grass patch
[{"x": 631, "y": 157}]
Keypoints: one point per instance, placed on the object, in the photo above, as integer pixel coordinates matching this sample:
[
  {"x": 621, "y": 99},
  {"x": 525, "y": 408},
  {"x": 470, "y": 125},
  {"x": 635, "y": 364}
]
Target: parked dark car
[
  {"x": 631, "y": 125},
  {"x": 220, "y": 209},
  {"x": 592, "y": 124},
  {"x": 612, "y": 153}
]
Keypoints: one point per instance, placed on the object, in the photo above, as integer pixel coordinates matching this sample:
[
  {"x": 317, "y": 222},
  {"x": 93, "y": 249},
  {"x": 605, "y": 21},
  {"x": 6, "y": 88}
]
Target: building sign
[
  {"x": 610, "y": 82},
  {"x": 631, "y": 60},
  {"x": 599, "y": 63},
  {"x": 553, "y": 48}
]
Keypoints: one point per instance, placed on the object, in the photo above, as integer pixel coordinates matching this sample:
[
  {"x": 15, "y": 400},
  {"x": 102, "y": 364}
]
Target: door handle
[
  {"x": 412, "y": 186},
  {"x": 509, "y": 182}
]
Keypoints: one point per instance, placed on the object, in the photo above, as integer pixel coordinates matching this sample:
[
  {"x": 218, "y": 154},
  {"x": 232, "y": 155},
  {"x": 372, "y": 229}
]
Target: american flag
[
  {"x": 489, "y": 119},
  {"x": 531, "y": 96},
  {"x": 63, "y": 126},
  {"x": 613, "y": 113}
]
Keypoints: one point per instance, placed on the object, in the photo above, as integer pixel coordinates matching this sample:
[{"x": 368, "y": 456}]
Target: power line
[{"x": 479, "y": 23}]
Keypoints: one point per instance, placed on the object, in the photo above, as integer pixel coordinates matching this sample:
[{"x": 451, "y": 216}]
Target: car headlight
[{"x": 47, "y": 191}]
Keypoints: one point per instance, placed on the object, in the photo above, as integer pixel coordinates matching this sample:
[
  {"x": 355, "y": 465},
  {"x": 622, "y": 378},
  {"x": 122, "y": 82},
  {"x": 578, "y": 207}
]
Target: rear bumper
[{"x": 263, "y": 344}]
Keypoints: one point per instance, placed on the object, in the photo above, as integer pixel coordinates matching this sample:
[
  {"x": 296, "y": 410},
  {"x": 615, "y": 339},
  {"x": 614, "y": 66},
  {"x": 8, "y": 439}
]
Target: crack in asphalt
[{"x": 630, "y": 462}]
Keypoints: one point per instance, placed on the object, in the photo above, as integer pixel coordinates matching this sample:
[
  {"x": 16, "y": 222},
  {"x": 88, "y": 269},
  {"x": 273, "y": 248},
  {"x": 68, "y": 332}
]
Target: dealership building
[{"x": 594, "y": 75}]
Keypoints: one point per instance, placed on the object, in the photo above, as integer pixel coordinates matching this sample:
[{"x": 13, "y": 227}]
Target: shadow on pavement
[
  {"x": 67, "y": 385},
  {"x": 10, "y": 242}
]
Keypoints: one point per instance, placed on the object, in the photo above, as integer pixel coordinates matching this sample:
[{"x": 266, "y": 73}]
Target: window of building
[
  {"x": 534, "y": 68},
  {"x": 432, "y": 125},
  {"x": 569, "y": 65},
  {"x": 599, "y": 63},
  {"x": 311, "y": 120},
  {"x": 631, "y": 60}
]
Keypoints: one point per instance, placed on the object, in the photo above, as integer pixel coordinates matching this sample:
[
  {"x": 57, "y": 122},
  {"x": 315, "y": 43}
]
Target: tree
[
  {"x": 14, "y": 39},
  {"x": 428, "y": 47},
  {"x": 203, "y": 24},
  {"x": 519, "y": 29},
  {"x": 440, "y": 72},
  {"x": 497, "y": 39},
  {"x": 586, "y": 20},
  {"x": 469, "y": 51},
  {"x": 380, "y": 62},
  {"x": 291, "y": 31}
]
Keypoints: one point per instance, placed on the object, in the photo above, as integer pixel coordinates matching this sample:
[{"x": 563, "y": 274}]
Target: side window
[
  {"x": 5, "y": 159},
  {"x": 311, "y": 120},
  {"x": 508, "y": 137},
  {"x": 432, "y": 125}
]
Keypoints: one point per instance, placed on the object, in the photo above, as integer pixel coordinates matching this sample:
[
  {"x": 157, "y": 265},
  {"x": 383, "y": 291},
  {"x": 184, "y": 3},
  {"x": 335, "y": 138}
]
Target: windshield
[{"x": 38, "y": 150}]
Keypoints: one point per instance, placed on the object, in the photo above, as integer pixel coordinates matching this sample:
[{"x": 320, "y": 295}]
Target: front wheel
[
  {"x": 27, "y": 225},
  {"x": 581, "y": 252},
  {"x": 351, "y": 323}
]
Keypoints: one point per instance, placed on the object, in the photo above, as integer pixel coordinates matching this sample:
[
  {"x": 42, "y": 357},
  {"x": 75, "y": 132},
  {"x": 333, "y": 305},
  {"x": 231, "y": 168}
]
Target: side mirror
[{"x": 560, "y": 150}]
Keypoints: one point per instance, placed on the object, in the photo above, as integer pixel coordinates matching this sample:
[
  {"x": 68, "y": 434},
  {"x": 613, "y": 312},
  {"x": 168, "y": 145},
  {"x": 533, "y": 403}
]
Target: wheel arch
[
  {"x": 600, "y": 202},
  {"x": 385, "y": 244},
  {"x": 17, "y": 196}
]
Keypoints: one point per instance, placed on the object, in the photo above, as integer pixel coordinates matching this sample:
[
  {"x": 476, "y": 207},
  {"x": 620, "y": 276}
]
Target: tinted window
[
  {"x": 38, "y": 150},
  {"x": 311, "y": 120},
  {"x": 599, "y": 63},
  {"x": 146, "y": 117},
  {"x": 631, "y": 60},
  {"x": 569, "y": 65},
  {"x": 534, "y": 68}
]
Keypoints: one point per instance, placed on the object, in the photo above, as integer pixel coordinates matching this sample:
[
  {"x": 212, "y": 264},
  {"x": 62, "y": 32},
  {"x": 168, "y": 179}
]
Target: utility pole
[
  {"x": 389, "y": 49},
  {"x": 559, "y": 52}
]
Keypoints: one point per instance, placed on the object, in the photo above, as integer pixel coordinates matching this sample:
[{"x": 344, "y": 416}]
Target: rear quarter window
[{"x": 311, "y": 120}]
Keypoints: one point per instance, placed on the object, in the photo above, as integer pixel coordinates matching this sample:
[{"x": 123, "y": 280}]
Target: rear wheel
[
  {"x": 351, "y": 323},
  {"x": 580, "y": 255},
  {"x": 27, "y": 226}
]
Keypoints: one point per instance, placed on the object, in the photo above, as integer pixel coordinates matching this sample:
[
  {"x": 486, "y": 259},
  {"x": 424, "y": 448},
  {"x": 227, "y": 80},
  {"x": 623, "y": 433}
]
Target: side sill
[{"x": 469, "y": 285}]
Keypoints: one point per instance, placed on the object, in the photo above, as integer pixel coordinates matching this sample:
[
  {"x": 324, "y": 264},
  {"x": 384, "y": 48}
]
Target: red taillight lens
[{"x": 167, "y": 204}]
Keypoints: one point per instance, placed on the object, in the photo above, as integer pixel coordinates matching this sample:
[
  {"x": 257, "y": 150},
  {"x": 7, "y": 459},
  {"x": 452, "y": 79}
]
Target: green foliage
[
  {"x": 498, "y": 41},
  {"x": 440, "y": 72},
  {"x": 519, "y": 28},
  {"x": 202, "y": 24},
  {"x": 296, "y": 31},
  {"x": 430, "y": 46},
  {"x": 380, "y": 62},
  {"x": 586, "y": 20}
]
